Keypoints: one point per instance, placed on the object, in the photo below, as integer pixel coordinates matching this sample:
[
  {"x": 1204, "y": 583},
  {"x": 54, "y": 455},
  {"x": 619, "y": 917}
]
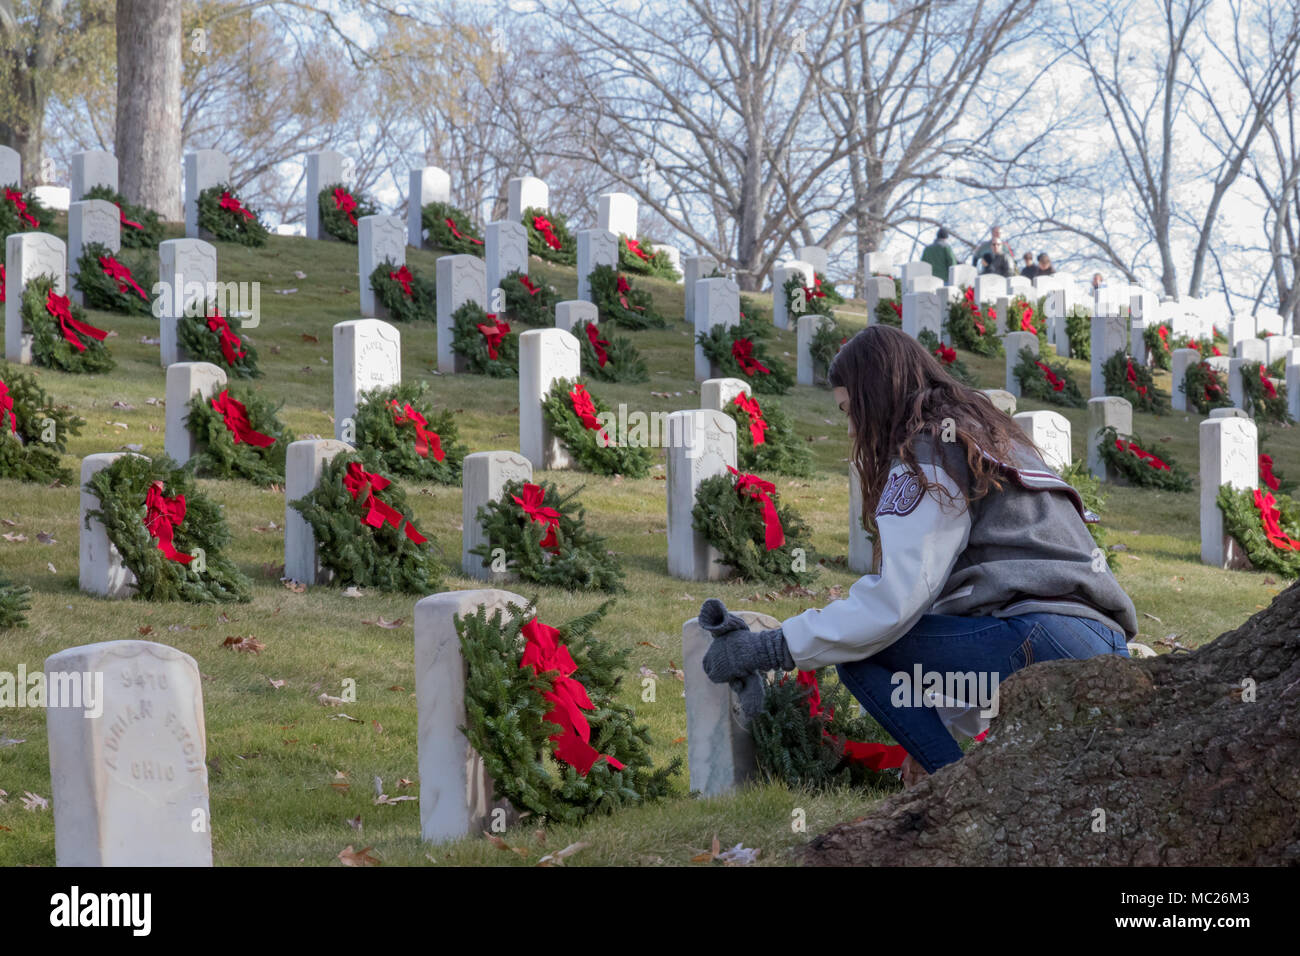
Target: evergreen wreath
[
  {"x": 219, "y": 455},
  {"x": 449, "y": 228},
  {"x": 1268, "y": 477},
  {"x": 529, "y": 302},
  {"x": 1206, "y": 346},
  {"x": 1278, "y": 368},
  {"x": 1135, "y": 383},
  {"x": 515, "y": 721},
  {"x": 158, "y": 520},
  {"x": 1078, "y": 329},
  {"x": 733, "y": 523},
  {"x": 544, "y": 539},
  {"x": 618, "y": 302},
  {"x": 573, "y": 413},
  {"x": 749, "y": 308},
  {"x": 340, "y": 208},
  {"x": 113, "y": 284},
  {"x": 1205, "y": 388},
  {"x": 227, "y": 219},
  {"x": 815, "y": 301},
  {"x": 1127, "y": 454},
  {"x": 549, "y": 236},
  {"x": 635, "y": 256},
  {"x": 367, "y": 538},
  {"x": 1025, "y": 317},
  {"x": 21, "y": 211},
  {"x": 1088, "y": 486},
  {"x": 1047, "y": 381},
  {"x": 398, "y": 422},
  {"x": 141, "y": 227},
  {"x": 1156, "y": 339},
  {"x": 15, "y": 602},
  {"x": 827, "y": 340},
  {"x": 827, "y": 288},
  {"x": 1264, "y": 400},
  {"x": 890, "y": 311},
  {"x": 739, "y": 352},
  {"x": 947, "y": 358},
  {"x": 28, "y": 416},
  {"x": 487, "y": 344},
  {"x": 407, "y": 296},
  {"x": 765, "y": 438},
  {"x": 970, "y": 329},
  {"x": 210, "y": 338},
  {"x": 53, "y": 338},
  {"x": 614, "y": 359},
  {"x": 1266, "y": 527}
]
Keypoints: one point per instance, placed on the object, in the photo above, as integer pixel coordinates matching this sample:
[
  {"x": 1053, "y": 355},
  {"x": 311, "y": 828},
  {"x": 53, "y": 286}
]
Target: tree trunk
[
  {"x": 148, "y": 133},
  {"x": 1166, "y": 752}
]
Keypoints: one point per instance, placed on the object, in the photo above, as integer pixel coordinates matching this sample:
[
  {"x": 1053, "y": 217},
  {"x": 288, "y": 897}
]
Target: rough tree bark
[
  {"x": 1186, "y": 771},
  {"x": 148, "y": 132}
]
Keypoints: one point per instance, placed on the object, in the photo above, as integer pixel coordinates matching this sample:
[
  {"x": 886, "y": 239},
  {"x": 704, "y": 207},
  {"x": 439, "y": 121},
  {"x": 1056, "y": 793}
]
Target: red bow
[
  {"x": 544, "y": 653},
  {"x": 162, "y": 516},
  {"x": 358, "y": 480},
  {"x": 121, "y": 217},
  {"x": 424, "y": 438},
  {"x": 543, "y": 225},
  {"x": 1271, "y": 518},
  {"x": 230, "y": 202},
  {"x": 598, "y": 344},
  {"x": 456, "y": 232},
  {"x": 624, "y": 287},
  {"x": 403, "y": 276},
  {"x": 1141, "y": 455},
  {"x": 7, "y": 408},
  {"x": 120, "y": 274},
  {"x": 871, "y": 755},
  {"x": 235, "y": 416},
  {"x": 20, "y": 207},
  {"x": 1265, "y": 470},
  {"x": 1027, "y": 320},
  {"x": 1163, "y": 332},
  {"x": 59, "y": 307},
  {"x": 742, "y": 350},
  {"x": 1057, "y": 383},
  {"x": 815, "y": 291},
  {"x": 945, "y": 353},
  {"x": 1216, "y": 350},
  {"x": 531, "y": 502},
  {"x": 231, "y": 347},
  {"x": 494, "y": 333},
  {"x": 635, "y": 247},
  {"x": 757, "y": 426},
  {"x": 1131, "y": 377},
  {"x": 755, "y": 487},
  {"x": 344, "y": 202},
  {"x": 897, "y": 307},
  {"x": 585, "y": 409},
  {"x": 1266, "y": 382}
]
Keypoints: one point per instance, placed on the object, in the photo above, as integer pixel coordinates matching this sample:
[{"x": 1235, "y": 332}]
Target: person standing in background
[
  {"x": 1030, "y": 270},
  {"x": 939, "y": 255},
  {"x": 986, "y": 247},
  {"x": 1045, "y": 267},
  {"x": 996, "y": 261}
]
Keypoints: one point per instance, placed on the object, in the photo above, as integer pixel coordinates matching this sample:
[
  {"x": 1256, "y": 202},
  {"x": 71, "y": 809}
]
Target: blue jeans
[{"x": 991, "y": 647}]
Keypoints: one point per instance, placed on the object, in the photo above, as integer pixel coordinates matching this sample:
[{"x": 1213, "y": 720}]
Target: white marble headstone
[
  {"x": 525, "y": 192},
  {"x": 1293, "y": 383},
  {"x": 805, "y": 373},
  {"x": 187, "y": 269},
  {"x": 505, "y": 250},
  {"x": 367, "y": 356},
  {"x": 596, "y": 247},
  {"x": 323, "y": 169},
  {"x": 1180, "y": 360},
  {"x": 91, "y": 220},
  {"x": 94, "y": 167},
  {"x": 11, "y": 168},
  {"x": 878, "y": 264},
  {"x": 572, "y": 313},
  {"x": 1013, "y": 343},
  {"x": 1109, "y": 335},
  {"x": 1106, "y": 411},
  {"x": 1229, "y": 456},
  {"x": 924, "y": 311},
  {"x": 913, "y": 270},
  {"x": 204, "y": 168},
  {"x": 460, "y": 279},
  {"x": 861, "y": 545},
  {"x": 544, "y": 356},
  {"x": 304, "y": 462},
  {"x": 701, "y": 444},
  {"x": 989, "y": 287},
  {"x": 962, "y": 274},
  {"x": 717, "y": 303},
  {"x": 695, "y": 268},
  {"x": 184, "y": 381},
  {"x": 1050, "y": 431},
  {"x": 425, "y": 185},
  {"x": 1002, "y": 400},
  {"x": 923, "y": 284},
  {"x": 877, "y": 288},
  {"x": 717, "y": 393},
  {"x": 100, "y": 570},
  {"x": 815, "y": 256},
  {"x": 781, "y": 313},
  {"x": 484, "y": 475},
  {"x": 617, "y": 213},
  {"x": 28, "y": 255},
  {"x": 379, "y": 239}
]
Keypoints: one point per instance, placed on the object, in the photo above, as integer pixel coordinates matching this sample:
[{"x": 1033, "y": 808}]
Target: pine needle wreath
[
  {"x": 529, "y": 302},
  {"x": 827, "y": 340},
  {"x": 1078, "y": 329},
  {"x": 655, "y": 262},
  {"x": 801, "y": 300},
  {"x": 449, "y": 228},
  {"x": 229, "y": 224},
  {"x": 622, "y": 361},
  {"x": 617, "y": 301},
  {"x": 890, "y": 312},
  {"x": 1278, "y": 368},
  {"x": 472, "y": 344},
  {"x": 1264, "y": 400},
  {"x": 594, "y": 450},
  {"x": 340, "y": 208},
  {"x": 1131, "y": 458},
  {"x": 1088, "y": 486},
  {"x": 398, "y": 445},
  {"x": 827, "y": 288},
  {"x": 970, "y": 329},
  {"x": 421, "y": 305},
  {"x": 1206, "y": 346},
  {"x": 1047, "y": 381},
  {"x": 506, "y": 711},
  {"x": 781, "y": 451},
  {"x": 733, "y": 524},
  {"x": 50, "y": 347},
  {"x": 1205, "y": 388},
  {"x": 739, "y": 352},
  {"x": 1134, "y": 382},
  {"x": 32, "y": 440},
  {"x": 383, "y": 557},
  {"x": 128, "y": 294},
  {"x": 1157, "y": 340},
  {"x": 22, "y": 211},
  {"x": 122, "y": 489},
  {"x": 202, "y": 343},
  {"x": 559, "y": 246},
  {"x": 750, "y": 310},
  {"x": 218, "y": 455},
  {"x": 1269, "y": 477},
  {"x": 15, "y": 602},
  {"x": 142, "y": 228},
  {"x": 578, "y": 560},
  {"x": 1243, "y": 521},
  {"x": 947, "y": 358},
  {"x": 1025, "y": 317}
]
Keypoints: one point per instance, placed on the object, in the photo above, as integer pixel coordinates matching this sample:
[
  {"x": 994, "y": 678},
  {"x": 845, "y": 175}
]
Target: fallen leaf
[
  {"x": 11, "y": 741},
  {"x": 355, "y": 823},
  {"x": 386, "y": 624},
  {"x": 349, "y": 857},
  {"x": 121, "y": 404},
  {"x": 327, "y": 701},
  {"x": 1153, "y": 617},
  {"x": 403, "y": 783},
  {"x": 352, "y": 592},
  {"x": 307, "y": 337},
  {"x": 147, "y": 629},
  {"x": 284, "y": 291},
  {"x": 34, "y": 801},
  {"x": 379, "y": 728},
  {"x": 51, "y": 568},
  {"x": 554, "y": 859},
  {"x": 739, "y": 855},
  {"x": 676, "y": 671},
  {"x": 501, "y": 844},
  {"x": 649, "y": 644},
  {"x": 679, "y": 740},
  {"x": 299, "y": 274},
  {"x": 343, "y": 716},
  {"x": 248, "y": 644},
  {"x": 385, "y": 800},
  {"x": 7, "y": 523},
  {"x": 14, "y": 538},
  {"x": 297, "y": 587},
  {"x": 277, "y": 684}
]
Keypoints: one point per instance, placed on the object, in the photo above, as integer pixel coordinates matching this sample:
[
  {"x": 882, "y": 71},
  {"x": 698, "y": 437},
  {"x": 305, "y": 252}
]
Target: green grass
[{"x": 273, "y": 754}]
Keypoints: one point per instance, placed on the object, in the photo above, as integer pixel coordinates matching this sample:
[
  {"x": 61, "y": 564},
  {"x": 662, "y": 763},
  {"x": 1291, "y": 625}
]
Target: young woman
[{"x": 984, "y": 563}]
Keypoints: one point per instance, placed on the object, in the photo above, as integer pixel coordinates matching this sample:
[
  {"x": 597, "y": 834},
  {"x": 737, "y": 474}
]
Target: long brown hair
[{"x": 898, "y": 394}]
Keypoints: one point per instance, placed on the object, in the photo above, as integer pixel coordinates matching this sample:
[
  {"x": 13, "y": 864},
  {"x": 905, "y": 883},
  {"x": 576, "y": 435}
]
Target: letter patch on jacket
[{"x": 901, "y": 495}]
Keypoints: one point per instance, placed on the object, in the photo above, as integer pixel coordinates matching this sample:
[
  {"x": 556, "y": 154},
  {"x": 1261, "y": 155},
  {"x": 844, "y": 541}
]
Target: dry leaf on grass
[
  {"x": 676, "y": 671},
  {"x": 308, "y": 337},
  {"x": 277, "y": 684},
  {"x": 328, "y": 701},
  {"x": 46, "y": 537},
  {"x": 501, "y": 844},
  {"x": 385, "y": 800},
  {"x": 247, "y": 643},
  {"x": 297, "y": 587},
  {"x": 352, "y": 592},
  {"x": 387, "y": 624},
  {"x": 363, "y": 857},
  {"x": 355, "y": 823},
  {"x": 344, "y": 717},
  {"x": 14, "y": 538},
  {"x": 709, "y": 855},
  {"x": 556, "y": 858},
  {"x": 34, "y": 801},
  {"x": 649, "y": 644}
]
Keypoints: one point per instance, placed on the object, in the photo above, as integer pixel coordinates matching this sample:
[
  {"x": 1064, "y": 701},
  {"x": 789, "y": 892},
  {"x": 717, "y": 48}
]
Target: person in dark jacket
[
  {"x": 939, "y": 255},
  {"x": 1030, "y": 269},
  {"x": 996, "y": 261}
]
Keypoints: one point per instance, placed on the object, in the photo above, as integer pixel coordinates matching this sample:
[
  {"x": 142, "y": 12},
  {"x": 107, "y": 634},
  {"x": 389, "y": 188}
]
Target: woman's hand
[{"x": 738, "y": 655}]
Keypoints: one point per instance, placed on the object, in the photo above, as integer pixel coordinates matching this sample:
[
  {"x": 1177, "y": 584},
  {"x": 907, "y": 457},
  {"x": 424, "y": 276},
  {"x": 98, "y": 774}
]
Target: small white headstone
[
  {"x": 544, "y": 356},
  {"x": 1104, "y": 411},
  {"x": 425, "y": 185},
  {"x": 1014, "y": 342},
  {"x": 323, "y": 169},
  {"x": 807, "y": 327},
  {"x": 923, "y": 284},
  {"x": 91, "y": 220},
  {"x": 1293, "y": 383},
  {"x": 187, "y": 268},
  {"x": 572, "y": 313},
  {"x": 1021, "y": 285},
  {"x": 717, "y": 303},
  {"x": 92, "y": 168},
  {"x": 1109, "y": 335},
  {"x": 304, "y": 462},
  {"x": 505, "y": 250},
  {"x": 962, "y": 274},
  {"x": 460, "y": 279},
  {"x": 525, "y": 192},
  {"x": 861, "y": 545},
  {"x": 671, "y": 253},
  {"x": 815, "y": 256},
  {"x": 701, "y": 444},
  {"x": 923, "y": 311},
  {"x": 1229, "y": 456},
  {"x": 617, "y": 214},
  {"x": 184, "y": 380},
  {"x": 1050, "y": 431},
  {"x": 1228, "y": 413},
  {"x": 989, "y": 288},
  {"x": 1056, "y": 308},
  {"x": 367, "y": 356},
  {"x": 484, "y": 476},
  {"x": 596, "y": 247},
  {"x": 1241, "y": 327},
  {"x": 913, "y": 270},
  {"x": 1278, "y": 346},
  {"x": 204, "y": 168},
  {"x": 1266, "y": 320},
  {"x": 1254, "y": 350},
  {"x": 28, "y": 255},
  {"x": 100, "y": 570},
  {"x": 877, "y": 288},
  {"x": 878, "y": 264},
  {"x": 1002, "y": 400},
  {"x": 11, "y": 167},
  {"x": 695, "y": 268},
  {"x": 1180, "y": 360},
  {"x": 781, "y": 315},
  {"x": 717, "y": 393},
  {"x": 379, "y": 239}
]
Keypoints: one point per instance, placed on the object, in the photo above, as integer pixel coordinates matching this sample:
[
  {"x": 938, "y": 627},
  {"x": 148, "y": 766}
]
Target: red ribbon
[
  {"x": 344, "y": 202},
  {"x": 231, "y": 347},
  {"x": 235, "y": 415},
  {"x": 974, "y": 310},
  {"x": 1163, "y": 332},
  {"x": 358, "y": 480},
  {"x": 757, "y": 425},
  {"x": 425, "y": 439},
  {"x": 531, "y": 502},
  {"x": 162, "y": 516},
  {"x": 585, "y": 409},
  {"x": 529, "y": 285},
  {"x": 494, "y": 334},
  {"x": 7, "y": 408},
  {"x": 871, "y": 755},
  {"x": 121, "y": 217},
  {"x": 635, "y": 247},
  {"x": 20, "y": 207},
  {"x": 742, "y": 350},
  {"x": 898, "y": 309},
  {"x": 456, "y": 232},
  {"x": 944, "y": 353},
  {"x": 1027, "y": 320},
  {"x": 1265, "y": 469},
  {"x": 1271, "y": 518},
  {"x": 1141, "y": 455},
  {"x": 230, "y": 202},
  {"x": 624, "y": 287},
  {"x": 120, "y": 274},
  {"x": 2, "y": 283},
  {"x": 543, "y": 225},
  {"x": 1131, "y": 377},
  {"x": 752, "y": 486},
  {"x": 598, "y": 344},
  {"x": 1264, "y": 380},
  {"x": 60, "y": 308},
  {"x": 544, "y": 653},
  {"x": 1057, "y": 383},
  {"x": 403, "y": 276}
]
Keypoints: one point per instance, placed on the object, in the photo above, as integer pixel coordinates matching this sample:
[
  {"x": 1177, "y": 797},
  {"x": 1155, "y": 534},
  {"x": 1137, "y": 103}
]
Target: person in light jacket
[{"x": 984, "y": 563}]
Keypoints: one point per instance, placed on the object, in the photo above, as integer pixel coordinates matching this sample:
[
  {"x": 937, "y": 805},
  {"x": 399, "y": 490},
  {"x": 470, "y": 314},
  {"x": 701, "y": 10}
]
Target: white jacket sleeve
[{"x": 920, "y": 541}]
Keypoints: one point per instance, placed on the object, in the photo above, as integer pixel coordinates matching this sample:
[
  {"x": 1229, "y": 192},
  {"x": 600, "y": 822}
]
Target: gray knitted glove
[{"x": 740, "y": 656}]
